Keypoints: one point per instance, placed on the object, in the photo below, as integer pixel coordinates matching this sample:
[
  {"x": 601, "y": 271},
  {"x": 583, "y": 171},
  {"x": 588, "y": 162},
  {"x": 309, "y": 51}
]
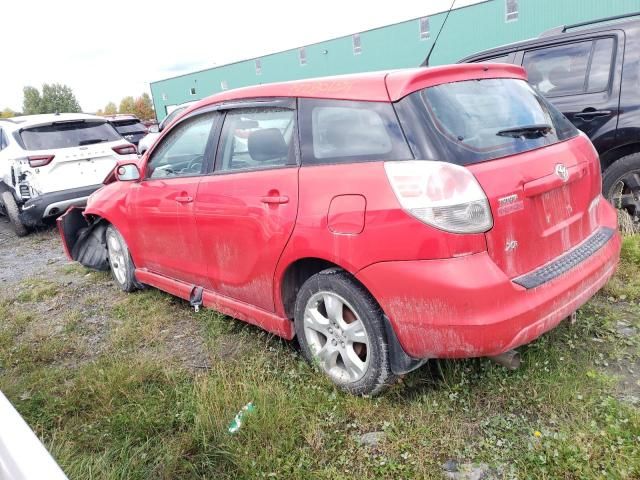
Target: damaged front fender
[{"x": 83, "y": 239}]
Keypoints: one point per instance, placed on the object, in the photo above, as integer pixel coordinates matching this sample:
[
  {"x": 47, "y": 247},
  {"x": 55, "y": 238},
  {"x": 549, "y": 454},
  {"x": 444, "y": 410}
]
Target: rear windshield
[
  {"x": 476, "y": 120},
  {"x": 67, "y": 134},
  {"x": 129, "y": 126}
]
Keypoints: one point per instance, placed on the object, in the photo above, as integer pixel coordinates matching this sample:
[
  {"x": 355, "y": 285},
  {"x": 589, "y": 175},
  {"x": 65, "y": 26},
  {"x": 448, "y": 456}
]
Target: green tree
[
  {"x": 143, "y": 108},
  {"x": 7, "y": 113},
  {"x": 127, "y": 105},
  {"x": 110, "y": 109},
  {"x": 58, "y": 98},
  {"x": 32, "y": 101}
]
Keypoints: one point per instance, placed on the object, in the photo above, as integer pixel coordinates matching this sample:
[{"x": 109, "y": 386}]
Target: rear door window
[
  {"x": 570, "y": 69},
  {"x": 67, "y": 135},
  {"x": 339, "y": 131},
  {"x": 476, "y": 120}
]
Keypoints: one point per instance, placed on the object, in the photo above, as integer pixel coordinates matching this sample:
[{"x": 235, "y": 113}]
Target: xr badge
[{"x": 511, "y": 245}]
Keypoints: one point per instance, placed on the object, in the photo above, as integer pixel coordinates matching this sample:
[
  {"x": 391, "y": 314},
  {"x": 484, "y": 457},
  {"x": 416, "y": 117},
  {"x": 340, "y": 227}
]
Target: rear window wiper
[
  {"x": 92, "y": 141},
  {"x": 527, "y": 131}
]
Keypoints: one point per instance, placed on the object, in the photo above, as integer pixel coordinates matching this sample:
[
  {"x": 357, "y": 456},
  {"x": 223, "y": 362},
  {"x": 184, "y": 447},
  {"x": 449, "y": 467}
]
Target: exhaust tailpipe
[{"x": 509, "y": 360}]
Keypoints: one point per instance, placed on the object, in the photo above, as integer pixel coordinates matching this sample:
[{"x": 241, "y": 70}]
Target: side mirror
[
  {"x": 153, "y": 129},
  {"x": 128, "y": 172}
]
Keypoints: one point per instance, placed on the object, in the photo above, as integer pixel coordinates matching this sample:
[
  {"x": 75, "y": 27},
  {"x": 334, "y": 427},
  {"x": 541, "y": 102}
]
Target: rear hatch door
[
  {"x": 540, "y": 202},
  {"x": 82, "y": 154},
  {"x": 539, "y": 173}
]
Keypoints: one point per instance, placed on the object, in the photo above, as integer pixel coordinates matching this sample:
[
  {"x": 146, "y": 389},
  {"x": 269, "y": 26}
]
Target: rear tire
[
  {"x": 13, "y": 212},
  {"x": 120, "y": 262},
  {"x": 340, "y": 329},
  {"x": 622, "y": 180}
]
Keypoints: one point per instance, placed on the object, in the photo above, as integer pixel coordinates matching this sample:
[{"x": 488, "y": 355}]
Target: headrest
[
  {"x": 561, "y": 77},
  {"x": 534, "y": 75},
  {"x": 267, "y": 144}
]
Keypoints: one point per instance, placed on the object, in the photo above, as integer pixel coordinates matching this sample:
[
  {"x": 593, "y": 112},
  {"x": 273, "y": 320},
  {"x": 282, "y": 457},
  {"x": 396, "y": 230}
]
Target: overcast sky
[{"x": 109, "y": 49}]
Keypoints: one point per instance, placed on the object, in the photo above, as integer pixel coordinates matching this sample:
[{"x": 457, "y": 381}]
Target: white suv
[{"x": 51, "y": 162}]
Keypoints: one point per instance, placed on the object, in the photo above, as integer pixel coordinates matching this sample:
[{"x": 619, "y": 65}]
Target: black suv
[
  {"x": 129, "y": 127},
  {"x": 591, "y": 72}
]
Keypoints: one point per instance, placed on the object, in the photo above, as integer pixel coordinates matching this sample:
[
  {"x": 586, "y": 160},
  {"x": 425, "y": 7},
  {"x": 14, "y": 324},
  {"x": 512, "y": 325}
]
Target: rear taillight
[
  {"x": 440, "y": 194},
  {"x": 40, "y": 160},
  {"x": 125, "y": 149}
]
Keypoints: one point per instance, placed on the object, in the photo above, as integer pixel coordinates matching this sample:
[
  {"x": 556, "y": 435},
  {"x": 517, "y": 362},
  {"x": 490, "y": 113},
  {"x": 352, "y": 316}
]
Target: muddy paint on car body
[{"x": 445, "y": 294}]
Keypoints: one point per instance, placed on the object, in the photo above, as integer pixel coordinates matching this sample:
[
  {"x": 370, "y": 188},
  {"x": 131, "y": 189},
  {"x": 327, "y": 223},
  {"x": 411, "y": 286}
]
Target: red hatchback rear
[{"x": 384, "y": 219}]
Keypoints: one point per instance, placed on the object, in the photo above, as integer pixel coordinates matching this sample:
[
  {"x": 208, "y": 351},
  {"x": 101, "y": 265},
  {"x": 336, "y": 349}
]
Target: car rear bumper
[
  {"x": 467, "y": 307},
  {"x": 49, "y": 205}
]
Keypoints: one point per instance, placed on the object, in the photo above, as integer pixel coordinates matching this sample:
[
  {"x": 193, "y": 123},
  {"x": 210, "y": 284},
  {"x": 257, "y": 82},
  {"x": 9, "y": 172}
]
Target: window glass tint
[
  {"x": 181, "y": 152},
  {"x": 3, "y": 142},
  {"x": 558, "y": 70},
  {"x": 337, "y": 131},
  {"x": 600, "y": 65},
  {"x": 472, "y": 121},
  {"x": 68, "y": 134},
  {"x": 130, "y": 127},
  {"x": 348, "y": 132},
  {"x": 256, "y": 138}
]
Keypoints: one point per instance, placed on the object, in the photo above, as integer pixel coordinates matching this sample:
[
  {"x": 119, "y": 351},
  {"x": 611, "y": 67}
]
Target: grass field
[{"x": 139, "y": 386}]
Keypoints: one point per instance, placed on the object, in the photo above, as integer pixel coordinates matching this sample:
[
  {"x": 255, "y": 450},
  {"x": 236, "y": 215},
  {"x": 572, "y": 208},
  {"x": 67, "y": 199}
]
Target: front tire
[
  {"x": 340, "y": 329},
  {"x": 122, "y": 268},
  {"x": 13, "y": 212}
]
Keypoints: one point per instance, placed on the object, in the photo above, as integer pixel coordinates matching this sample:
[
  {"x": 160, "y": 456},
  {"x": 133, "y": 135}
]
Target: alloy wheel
[
  {"x": 337, "y": 337},
  {"x": 116, "y": 258}
]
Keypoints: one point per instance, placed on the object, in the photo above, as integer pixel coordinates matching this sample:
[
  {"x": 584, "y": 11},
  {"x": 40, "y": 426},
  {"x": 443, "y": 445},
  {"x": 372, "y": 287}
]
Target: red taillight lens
[
  {"x": 125, "y": 149},
  {"x": 40, "y": 160}
]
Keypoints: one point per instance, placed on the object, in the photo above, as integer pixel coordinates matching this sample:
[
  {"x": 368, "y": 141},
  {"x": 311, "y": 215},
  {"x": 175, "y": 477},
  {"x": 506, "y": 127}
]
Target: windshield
[
  {"x": 67, "y": 134},
  {"x": 477, "y": 120}
]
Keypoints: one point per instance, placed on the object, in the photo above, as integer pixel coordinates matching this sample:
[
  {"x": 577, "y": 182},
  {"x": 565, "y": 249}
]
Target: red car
[{"x": 382, "y": 218}]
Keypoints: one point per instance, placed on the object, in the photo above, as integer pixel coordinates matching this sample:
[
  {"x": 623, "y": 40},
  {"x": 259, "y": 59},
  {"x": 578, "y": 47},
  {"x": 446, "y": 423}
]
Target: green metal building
[{"x": 469, "y": 29}]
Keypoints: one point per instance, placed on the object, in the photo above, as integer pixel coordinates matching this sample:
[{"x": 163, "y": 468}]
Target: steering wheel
[{"x": 195, "y": 165}]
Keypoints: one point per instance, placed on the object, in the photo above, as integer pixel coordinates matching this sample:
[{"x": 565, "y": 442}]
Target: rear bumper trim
[
  {"x": 567, "y": 261},
  {"x": 38, "y": 208}
]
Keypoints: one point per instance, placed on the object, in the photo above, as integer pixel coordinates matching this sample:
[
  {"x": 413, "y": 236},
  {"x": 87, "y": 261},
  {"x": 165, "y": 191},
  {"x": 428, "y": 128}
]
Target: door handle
[
  {"x": 591, "y": 113},
  {"x": 184, "y": 199},
  {"x": 275, "y": 200}
]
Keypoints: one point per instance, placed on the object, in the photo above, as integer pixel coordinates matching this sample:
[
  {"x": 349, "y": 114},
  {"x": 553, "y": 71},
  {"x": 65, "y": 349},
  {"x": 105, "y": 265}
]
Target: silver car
[{"x": 154, "y": 131}]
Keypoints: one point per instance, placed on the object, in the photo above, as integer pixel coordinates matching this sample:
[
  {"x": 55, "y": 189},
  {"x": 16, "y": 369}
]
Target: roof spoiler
[{"x": 564, "y": 28}]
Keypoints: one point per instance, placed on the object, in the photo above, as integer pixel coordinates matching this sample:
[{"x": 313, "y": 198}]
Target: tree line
[
  {"x": 60, "y": 98},
  {"x": 141, "y": 107}
]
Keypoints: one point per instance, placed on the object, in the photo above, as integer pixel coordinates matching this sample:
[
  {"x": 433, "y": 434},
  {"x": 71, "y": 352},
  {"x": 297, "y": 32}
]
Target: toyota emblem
[{"x": 562, "y": 171}]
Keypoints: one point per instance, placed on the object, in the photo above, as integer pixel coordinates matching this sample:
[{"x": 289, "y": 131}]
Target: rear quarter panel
[{"x": 389, "y": 233}]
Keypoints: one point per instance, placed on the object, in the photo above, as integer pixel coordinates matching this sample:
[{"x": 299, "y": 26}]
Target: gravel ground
[
  {"x": 39, "y": 254},
  {"x": 89, "y": 297}
]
